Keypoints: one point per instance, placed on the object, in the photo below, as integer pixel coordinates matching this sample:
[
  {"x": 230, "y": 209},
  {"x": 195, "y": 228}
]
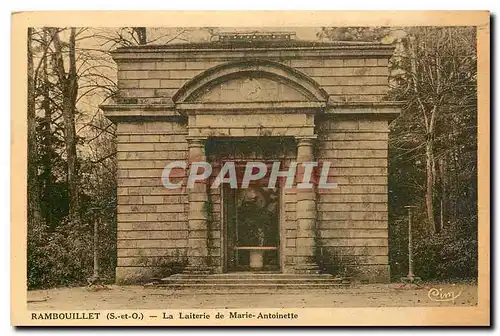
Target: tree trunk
[
  {"x": 69, "y": 86},
  {"x": 429, "y": 194},
  {"x": 444, "y": 193},
  {"x": 142, "y": 37},
  {"x": 429, "y": 119},
  {"x": 46, "y": 138},
  {"x": 34, "y": 209}
]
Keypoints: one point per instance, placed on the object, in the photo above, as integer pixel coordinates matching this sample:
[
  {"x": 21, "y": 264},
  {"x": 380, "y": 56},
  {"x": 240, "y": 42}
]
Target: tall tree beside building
[
  {"x": 438, "y": 87},
  {"x": 68, "y": 81},
  {"x": 433, "y": 144},
  {"x": 34, "y": 209}
]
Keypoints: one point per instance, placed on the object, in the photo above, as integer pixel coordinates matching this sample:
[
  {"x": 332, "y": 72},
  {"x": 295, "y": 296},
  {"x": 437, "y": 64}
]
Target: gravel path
[{"x": 139, "y": 297}]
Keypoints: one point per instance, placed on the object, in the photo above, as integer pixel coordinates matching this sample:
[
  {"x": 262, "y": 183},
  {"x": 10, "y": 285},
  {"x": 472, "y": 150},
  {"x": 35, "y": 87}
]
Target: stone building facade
[{"x": 186, "y": 102}]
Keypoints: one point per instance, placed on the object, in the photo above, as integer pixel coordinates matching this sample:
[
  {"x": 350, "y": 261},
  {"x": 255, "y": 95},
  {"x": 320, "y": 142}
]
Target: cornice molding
[
  {"x": 116, "y": 112},
  {"x": 359, "y": 51}
]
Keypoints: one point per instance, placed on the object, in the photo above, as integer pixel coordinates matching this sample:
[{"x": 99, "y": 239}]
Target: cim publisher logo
[{"x": 239, "y": 174}]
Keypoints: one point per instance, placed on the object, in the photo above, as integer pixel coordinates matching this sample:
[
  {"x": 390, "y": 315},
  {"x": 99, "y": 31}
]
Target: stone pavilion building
[{"x": 253, "y": 97}]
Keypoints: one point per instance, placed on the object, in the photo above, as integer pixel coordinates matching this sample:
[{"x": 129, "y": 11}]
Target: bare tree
[
  {"x": 34, "y": 209},
  {"x": 440, "y": 94},
  {"x": 429, "y": 117},
  {"x": 68, "y": 81},
  {"x": 141, "y": 33}
]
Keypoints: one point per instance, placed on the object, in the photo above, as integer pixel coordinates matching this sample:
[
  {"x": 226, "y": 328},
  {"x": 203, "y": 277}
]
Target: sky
[{"x": 201, "y": 35}]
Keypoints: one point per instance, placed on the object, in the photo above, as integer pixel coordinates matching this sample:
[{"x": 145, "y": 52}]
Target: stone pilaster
[
  {"x": 197, "y": 213},
  {"x": 305, "y": 257}
]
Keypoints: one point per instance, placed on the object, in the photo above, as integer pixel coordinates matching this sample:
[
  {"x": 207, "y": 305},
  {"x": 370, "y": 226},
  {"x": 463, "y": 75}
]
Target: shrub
[
  {"x": 330, "y": 262},
  {"x": 64, "y": 257},
  {"x": 447, "y": 255},
  {"x": 163, "y": 267}
]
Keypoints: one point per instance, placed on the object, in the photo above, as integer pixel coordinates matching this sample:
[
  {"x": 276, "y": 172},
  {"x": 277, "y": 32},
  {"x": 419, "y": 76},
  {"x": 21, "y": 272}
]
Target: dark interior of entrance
[
  {"x": 252, "y": 229},
  {"x": 251, "y": 216}
]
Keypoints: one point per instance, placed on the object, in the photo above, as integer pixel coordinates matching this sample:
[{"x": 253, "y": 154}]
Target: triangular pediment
[
  {"x": 250, "y": 89},
  {"x": 252, "y": 81}
]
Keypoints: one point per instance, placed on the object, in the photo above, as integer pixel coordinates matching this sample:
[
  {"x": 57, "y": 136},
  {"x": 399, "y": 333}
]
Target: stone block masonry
[
  {"x": 152, "y": 230},
  {"x": 352, "y": 219},
  {"x": 329, "y": 98}
]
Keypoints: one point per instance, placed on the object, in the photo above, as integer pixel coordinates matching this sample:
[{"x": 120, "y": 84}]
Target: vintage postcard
[{"x": 250, "y": 168}]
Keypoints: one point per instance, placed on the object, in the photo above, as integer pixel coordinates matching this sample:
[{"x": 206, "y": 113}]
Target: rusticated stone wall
[
  {"x": 351, "y": 124},
  {"x": 352, "y": 218},
  {"x": 152, "y": 229},
  {"x": 344, "y": 80}
]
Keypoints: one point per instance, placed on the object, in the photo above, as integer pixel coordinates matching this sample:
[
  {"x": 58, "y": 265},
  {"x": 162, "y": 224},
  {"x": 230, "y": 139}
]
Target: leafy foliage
[
  {"x": 64, "y": 256},
  {"x": 446, "y": 256},
  {"x": 446, "y": 79},
  {"x": 60, "y": 249},
  {"x": 258, "y": 225},
  {"x": 433, "y": 146},
  {"x": 71, "y": 73},
  {"x": 433, "y": 72}
]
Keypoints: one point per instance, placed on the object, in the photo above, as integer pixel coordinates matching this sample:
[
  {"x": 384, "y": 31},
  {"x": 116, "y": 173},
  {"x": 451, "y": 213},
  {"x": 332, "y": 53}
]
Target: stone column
[
  {"x": 305, "y": 256},
  {"x": 197, "y": 214}
]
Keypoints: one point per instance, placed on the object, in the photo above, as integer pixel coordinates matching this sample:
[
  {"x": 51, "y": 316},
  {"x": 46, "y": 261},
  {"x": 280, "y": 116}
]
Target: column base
[
  {"x": 309, "y": 268},
  {"x": 197, "y": 269}
]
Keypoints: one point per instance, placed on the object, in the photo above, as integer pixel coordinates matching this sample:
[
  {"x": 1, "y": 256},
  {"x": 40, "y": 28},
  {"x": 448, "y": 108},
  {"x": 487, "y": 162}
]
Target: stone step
[
  {"x": 218, "y": 290},
  {"x": 277, "y": 281},
  {"x": 250, "y": 282},
  {"x": 251, "y": 287},
  {"x": 248, "y": 276}
]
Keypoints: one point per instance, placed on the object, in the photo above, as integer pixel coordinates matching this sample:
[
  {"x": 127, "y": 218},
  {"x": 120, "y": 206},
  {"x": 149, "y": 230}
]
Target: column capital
[
  {"x": 306, "y": 140},
  {"x": 196, "y": 141}
]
